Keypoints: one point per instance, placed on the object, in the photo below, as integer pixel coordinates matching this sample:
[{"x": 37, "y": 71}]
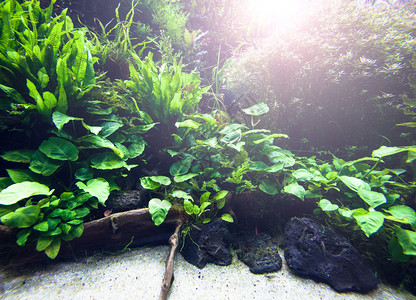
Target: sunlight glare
[{"x": 281, "y": 14}]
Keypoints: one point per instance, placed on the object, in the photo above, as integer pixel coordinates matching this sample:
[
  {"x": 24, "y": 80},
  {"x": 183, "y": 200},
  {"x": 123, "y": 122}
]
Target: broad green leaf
[
  {"x": 22, "y": 236},
  {"x": 82, "y": 212},
  {"x": 268, "y": 187},
  {"x": 180, "y": 167},
  {"x": 64, "y": 214},
  {"x": 43, "y": 165},
  {"x": 407, "y": 240},
  {"x": 227, "y": 218},
  {"x": 354, "y": 183},
  {"x": 107, "y": 161},
  {"x": 21, "y": 175},
  {"x": 188, "y": 206},
  {"x": 257, "y": 109},
  {"x": 23, "y": 217},
  {"x": 182, "y": 195},
  {"x": 84, "y": 174},
  {"x": 386, "y": 151},
  {"x": 109, "y": 128},
  {"x": 49, "y": 100},
  {"x": 97, "y": 142},
  {"x": 40, "y": 105},
  {"x": 42, "y": 226},
  {"x": 59, "y": 149},
  {"x": 20, "y": 156},
  {"x": 161, "y": 179},
  {"x": 232, "y": 137},
  {"x": 136, "y": 149},
  {"x": 372, "y": 198},
  {"x": 220, "y": 195},
  {"x": 53, "y": 249},
  {"x": 141, "y": 129},
  {"x": 44, "y": 242},
  {"x": 185, "y": 177},
  {"x": 97, "y": 187},
  {"x": 12, "y": 94},
  {"x": 60, "y": 119},
  {"x": 158, "y": 210},
  {"x": 402, "y": 214},
  {"x": 370, "y": 222},
  {"x": 188, "y": 124},
  {"x": 258, "y": 166},
  {"x": 77, "y": 230},
  {"x": 204, "y": 197},
  {"x": 148, "y": 183},
  {"x": 303, "y": 175},
  {"x": 326, "y": 205},
  {"x": 295, "y": 189},
  {"x": 22, "y": 190},
  {"x": 232, "y": 128}
]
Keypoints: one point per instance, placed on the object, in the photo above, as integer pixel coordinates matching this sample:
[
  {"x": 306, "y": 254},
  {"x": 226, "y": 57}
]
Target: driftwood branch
[
  {"x": 134, "y": 228},
  {"x": 168, "y": 278}
]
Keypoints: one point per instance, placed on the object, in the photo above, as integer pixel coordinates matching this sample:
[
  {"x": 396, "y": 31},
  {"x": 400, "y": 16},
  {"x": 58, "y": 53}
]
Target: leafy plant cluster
[{"x": 344, "y": 70}]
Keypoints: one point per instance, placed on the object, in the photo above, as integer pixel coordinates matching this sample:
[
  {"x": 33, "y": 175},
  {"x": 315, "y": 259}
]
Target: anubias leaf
[
  {"x": 20, "y": 156},
  {"x": 295, "y": 189},
  {"x": 23, "y": 217},
  {"x": 41, "y": 164},
  {"x": 158, "y": 210},
  {"x": 370, "y": 222},
  {"x": 97, "y": 187},
  {"x": 22, "y": 190},
  {"x": 407, "y": 239},
  {"x": 60, "y": 149}
]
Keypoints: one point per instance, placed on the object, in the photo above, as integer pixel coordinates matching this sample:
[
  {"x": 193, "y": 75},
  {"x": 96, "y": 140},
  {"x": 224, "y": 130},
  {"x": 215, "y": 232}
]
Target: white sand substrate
[{"x": 138, "y": 274}]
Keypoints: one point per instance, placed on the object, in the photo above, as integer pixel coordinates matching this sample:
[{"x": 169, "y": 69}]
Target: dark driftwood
[
  {"x": 134, "y": 228},
  {"x": 168, "y": 278}
]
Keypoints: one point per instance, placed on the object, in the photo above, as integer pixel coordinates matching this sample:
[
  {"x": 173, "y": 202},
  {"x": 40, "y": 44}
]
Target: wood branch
[
  {"x": 168, "y": 278},
  {"x": 134, "y": 228}
]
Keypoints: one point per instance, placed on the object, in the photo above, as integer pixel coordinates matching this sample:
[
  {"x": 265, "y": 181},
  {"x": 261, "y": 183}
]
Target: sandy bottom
[{"x": 138, "y": 274}]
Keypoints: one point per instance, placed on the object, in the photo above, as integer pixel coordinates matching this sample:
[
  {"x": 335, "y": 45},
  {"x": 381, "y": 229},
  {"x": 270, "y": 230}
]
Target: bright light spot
[{"x": 280, "y": 14}]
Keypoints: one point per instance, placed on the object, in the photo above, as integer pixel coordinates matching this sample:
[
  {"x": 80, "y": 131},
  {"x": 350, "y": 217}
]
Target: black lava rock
[
  {"x": 260, "y": 253},
  {"x": 208, "y": 245},
  {"x": 125, "y": 201},
  {"x": 319, "y": 253}
]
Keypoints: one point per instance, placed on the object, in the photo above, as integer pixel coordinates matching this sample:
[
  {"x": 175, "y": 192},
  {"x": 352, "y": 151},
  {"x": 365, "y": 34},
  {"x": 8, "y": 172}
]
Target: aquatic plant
[{"x": 335, "y": 81}]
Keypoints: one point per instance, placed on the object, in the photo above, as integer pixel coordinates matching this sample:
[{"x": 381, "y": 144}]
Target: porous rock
[
  {"x": 127, "y": 200},
  {"x": 320, "y": 253},
  {"x": 208, "y": 245},
  {"x": 260, "y": 253}
]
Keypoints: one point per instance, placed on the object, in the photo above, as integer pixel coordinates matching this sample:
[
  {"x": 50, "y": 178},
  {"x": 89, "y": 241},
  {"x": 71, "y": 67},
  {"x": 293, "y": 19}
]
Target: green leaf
[
  {"x": 258, "y": 166},
  {"x": 188, "y": 206},
  {"x": 82, "y": 212},
  {"x": 148, "y": 183},
  {"x": 407, "y": 240},
  {"x": 109, "y": 128},
  {"x": 107, "y": 161},
  {"x": 182, "y": 195},
  {"x": 158, "y": 210},
  {"x": 42, "y": 226},
  {"x": 185, "y": 177},
  {"x": 354, "y": 183},
  {"x": 44, "y": 242},
  {"x": 161, "y": 179},
  {"x": 387, "y": 151},
  {"x": 180, "y": 167},
  {"x": 303, "y": 175},
  {"x": 60, "y": 149},
  {"x": 53, "y": 249},
  {"x": 19, "y": 156},
  {"x": 84, "y": 174},
  {"x": 22, "y": 236},
  {"x": 220, "y": 195},
  {"x": 136, "y": 149},
  {"x": 257, "y": 109},
  {"x": 270, "y": 137},
  {"x": 295, "y": 189},
  {"x": 370, "y": 222},
  {"x": 232, "y": 137},
  {"x": 188, "y": 124},
  {"x": 23, "y": 217},
  {"x": 227, "y": 218},
  {"x": 373, "y": 199},
  {"x": 326, "y": 205},
  {"x": 43, "y": 165},
  {"x": 21, "y": 175},
  {"x": 22, "y": 190},
  {"x": 60, "y": 119},
  {"x": 402, "y": 214},
  {"x": 268, "y": 187},
  {"x": 97, "y": 187}
]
